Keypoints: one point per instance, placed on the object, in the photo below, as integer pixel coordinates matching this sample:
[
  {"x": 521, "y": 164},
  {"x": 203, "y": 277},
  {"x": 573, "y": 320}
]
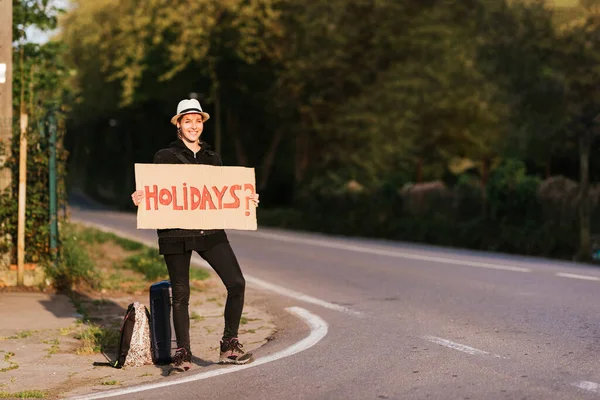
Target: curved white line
[{"x": 318, "y": 330}]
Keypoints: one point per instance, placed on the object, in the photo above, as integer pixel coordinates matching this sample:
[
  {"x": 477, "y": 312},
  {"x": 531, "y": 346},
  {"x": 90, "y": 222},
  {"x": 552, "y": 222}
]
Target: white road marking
[
  {"x": 589, "y": 386},
  {"x": 300, "y": 296},
  {"x": 196, "y": 260},
  {"x": 389, "y": 253},
  {"x": 318, "y": 330},
  {"x": 284, "y": 291},
  {"x": 458, "y": 346},
  {"x": 575, "y": 276}
]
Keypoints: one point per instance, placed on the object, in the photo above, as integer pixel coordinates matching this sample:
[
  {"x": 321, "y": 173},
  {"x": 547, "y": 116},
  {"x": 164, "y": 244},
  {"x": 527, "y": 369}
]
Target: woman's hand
[
  {"x": 254, "y": 199},
  {"x": 137, "y": 197}
]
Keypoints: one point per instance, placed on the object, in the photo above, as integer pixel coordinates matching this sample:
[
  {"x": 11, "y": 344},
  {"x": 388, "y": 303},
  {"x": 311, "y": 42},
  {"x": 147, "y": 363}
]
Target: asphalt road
[{"x": 406, "y": 321}]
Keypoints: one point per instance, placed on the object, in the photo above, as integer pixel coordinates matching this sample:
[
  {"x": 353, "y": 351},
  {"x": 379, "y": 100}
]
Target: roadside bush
[
  {"x": 558, "y": 198},
  {"x": 524, "y": 215},
  {"x": 512, "y": 194},
  {"x": 467, "y": 197},
  {"x": 74, "y": 265}
]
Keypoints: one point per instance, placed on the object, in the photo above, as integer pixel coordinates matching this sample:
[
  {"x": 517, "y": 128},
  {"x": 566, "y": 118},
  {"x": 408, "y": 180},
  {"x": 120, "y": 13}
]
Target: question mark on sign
[{"x": 248, "y": 186}]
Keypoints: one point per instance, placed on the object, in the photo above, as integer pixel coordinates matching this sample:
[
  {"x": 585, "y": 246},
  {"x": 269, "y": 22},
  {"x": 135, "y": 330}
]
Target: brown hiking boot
[
  {"x": 232, "y": 353},
  {"x": 182, "y": 360}
]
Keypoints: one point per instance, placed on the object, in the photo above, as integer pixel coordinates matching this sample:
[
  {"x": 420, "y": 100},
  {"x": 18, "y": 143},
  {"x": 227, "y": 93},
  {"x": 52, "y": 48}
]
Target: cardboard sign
[{"x": 195, "y": 197}]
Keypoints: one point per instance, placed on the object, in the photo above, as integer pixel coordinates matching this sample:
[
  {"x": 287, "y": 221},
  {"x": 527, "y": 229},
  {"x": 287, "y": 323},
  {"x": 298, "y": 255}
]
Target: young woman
[{"x": 176, "y": 245}]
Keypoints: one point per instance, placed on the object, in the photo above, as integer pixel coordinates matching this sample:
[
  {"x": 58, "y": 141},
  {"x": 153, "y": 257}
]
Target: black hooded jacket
[{"x": 174, "y": 241}]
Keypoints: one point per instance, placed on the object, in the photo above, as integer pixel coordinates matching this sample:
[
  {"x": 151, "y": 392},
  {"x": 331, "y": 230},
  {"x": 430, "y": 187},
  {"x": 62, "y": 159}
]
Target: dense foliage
[{"x": 343, "y": 105}]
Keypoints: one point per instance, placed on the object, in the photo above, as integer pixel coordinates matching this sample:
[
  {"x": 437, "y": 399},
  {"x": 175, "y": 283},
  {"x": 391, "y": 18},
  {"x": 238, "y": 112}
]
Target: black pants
[{"x": 222, "y": 259}]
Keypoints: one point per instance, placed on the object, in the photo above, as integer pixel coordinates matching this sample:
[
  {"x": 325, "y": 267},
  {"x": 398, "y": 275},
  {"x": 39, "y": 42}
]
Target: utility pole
[
  {"x": 6, "y": 53},
  {"x": 24, "y": 120},
  {"x": 52, "y": 188}
]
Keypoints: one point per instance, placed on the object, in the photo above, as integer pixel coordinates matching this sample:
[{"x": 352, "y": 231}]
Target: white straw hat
[{"x": 189, "y": 106}]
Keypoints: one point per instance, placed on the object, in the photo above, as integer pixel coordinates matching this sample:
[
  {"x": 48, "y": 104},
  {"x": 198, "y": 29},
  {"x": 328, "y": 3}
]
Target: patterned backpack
[{"x": 134, "y": 344}]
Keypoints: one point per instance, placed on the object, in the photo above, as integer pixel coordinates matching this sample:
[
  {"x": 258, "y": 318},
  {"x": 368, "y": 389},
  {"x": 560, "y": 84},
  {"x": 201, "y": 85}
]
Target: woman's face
[{"x": 191, "y": 127}]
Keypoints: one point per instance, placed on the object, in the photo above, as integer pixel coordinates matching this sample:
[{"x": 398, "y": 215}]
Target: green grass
[
  {"x": 70, "y": 329},
  {"x": 111, "y": 383},
  {"x": 12, "y": 365},
  {"x": 245, "y": 320},
  {"x": 127, "y": 244},
  {"x": 19, "y": 335},
  {"x": 53, "y": 349},
  {"x": 199, "y": 274},
  {"x": 92, "y": 236},
  {"x": 25, "y": 394},
  {"x": 149, "y": 263},
  {"x": 95, "y": 338},
  {"x": 196, "y": 317},
  {"x": 116, "y": 280}
]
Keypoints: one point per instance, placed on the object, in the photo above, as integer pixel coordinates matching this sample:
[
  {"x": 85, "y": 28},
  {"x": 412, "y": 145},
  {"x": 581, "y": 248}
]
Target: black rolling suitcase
[{"x": 160, "y": 314}]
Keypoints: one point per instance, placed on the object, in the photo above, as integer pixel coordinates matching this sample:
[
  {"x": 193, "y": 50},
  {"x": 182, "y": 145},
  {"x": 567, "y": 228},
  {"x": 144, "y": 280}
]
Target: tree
[
  {"x": 519, "y": 53},
  {"x": 380, "y": 85}
]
